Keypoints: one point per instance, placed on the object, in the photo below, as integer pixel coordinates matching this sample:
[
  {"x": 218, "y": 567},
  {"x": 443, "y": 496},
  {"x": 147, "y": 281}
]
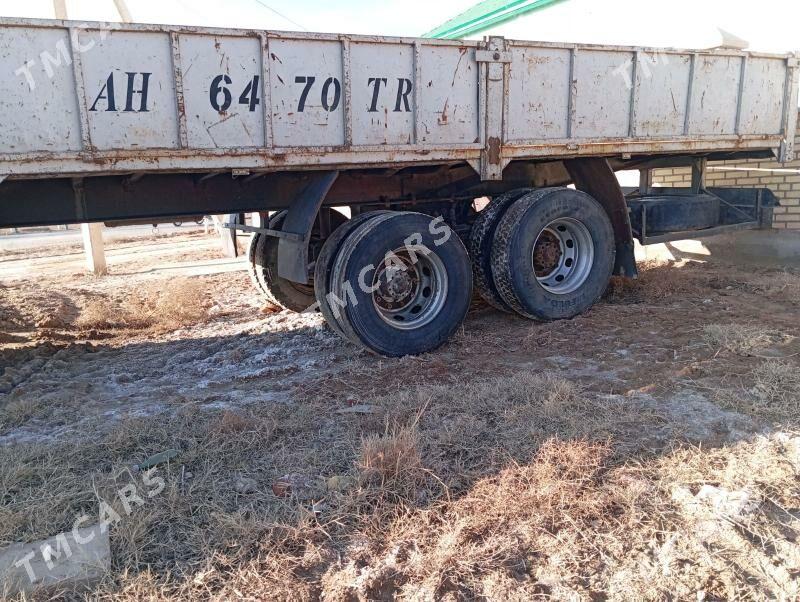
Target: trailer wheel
[
  {"x": 290, "y": 295},
  {"x": 553, "y": 253},
  {"x": 324, "y": 267},
  {"x": 480, "y": 246},
  {"x": 251, "y": 265},
  {"x": 404, "y": 283}
]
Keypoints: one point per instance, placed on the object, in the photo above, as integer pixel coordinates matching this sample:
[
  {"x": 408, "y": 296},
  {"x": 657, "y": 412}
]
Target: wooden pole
[
  {"x": 92, "y": 233},
  {"x": 124, "y": 13},
  {"x": 60, "y": 8},
  {"x": 93, "y": 248}
]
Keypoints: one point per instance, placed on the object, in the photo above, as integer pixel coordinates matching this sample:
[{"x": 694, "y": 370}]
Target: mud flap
[
  {"x": 293, "y": 251},
  {"x": 594, "y": 176}
]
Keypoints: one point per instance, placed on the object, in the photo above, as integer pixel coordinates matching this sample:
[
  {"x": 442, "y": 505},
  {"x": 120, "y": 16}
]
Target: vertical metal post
[
  {"x": 687, "y": 122},
  {"x": 632, "y": 100},
  {"x": 347, "y": 84},
  {"x": 789, "y": 121},
  {"x": 699, "y": 175},
  {"x": 491, "y": 156},
  {"x": 573, "y": 91},
  {"x": 645, "y": 181},
  {"x": 177, "y": 72},
  {"x": 417, "y": 85}
]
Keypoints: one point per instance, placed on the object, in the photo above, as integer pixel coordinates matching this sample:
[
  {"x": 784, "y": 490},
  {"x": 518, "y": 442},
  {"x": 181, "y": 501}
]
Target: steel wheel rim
[
  {"x": 409, "y": 289},
  {"x": 563, "y": 255}
]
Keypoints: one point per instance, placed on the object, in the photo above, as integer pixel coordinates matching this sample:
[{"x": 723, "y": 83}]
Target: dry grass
[
  {"x": 392, "y": 459},
  {"x": 770, "y": 392},
  {"x": 775, "y": 284},
  {"x": 741, "y": 339},
  {"x": 657, "y": 281},
  {"x": 501, "y": 489},
  {"x": 777, "y": 383},
  {"x": 180, "y": 303}
]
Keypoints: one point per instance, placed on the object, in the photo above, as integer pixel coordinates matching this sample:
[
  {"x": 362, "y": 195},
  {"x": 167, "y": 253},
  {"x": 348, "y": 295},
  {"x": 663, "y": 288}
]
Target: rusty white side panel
[
  {"x": 131, "y": 101},
  {"x": 81, "y": 99},
  {"x": 598, "y": 95},
  {"x": 37, "y": 118},
  {"x": 236, "y": 65}
]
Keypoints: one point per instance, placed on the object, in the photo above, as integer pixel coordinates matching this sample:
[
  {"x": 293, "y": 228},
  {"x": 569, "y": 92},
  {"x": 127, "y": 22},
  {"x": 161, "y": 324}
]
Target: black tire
[
  {"x": 480, "y": 246},
  {"x": 432, "y": 305},
  {"x": 290, "y": 295},
  {"x": 324, "y": 267},
  {"x": 251, "y": 265},
  {"x": 553, "y": 213}
]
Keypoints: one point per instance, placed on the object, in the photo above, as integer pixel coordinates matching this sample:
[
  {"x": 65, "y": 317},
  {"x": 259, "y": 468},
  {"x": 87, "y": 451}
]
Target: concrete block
[{"x": 68, "y": 560}]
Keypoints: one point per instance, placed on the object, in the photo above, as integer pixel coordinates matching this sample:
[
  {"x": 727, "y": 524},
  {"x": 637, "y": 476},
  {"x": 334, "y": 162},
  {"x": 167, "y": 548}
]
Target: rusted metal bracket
[
  {"x": 492, "y": 56},
  {"x": 293, "y": 253},
  {"x": 789, "y": 123},
  {"x": 264, "y": 231}
]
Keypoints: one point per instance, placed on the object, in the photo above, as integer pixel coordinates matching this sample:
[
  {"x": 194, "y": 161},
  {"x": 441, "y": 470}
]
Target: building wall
[{"x": 756, "y": 173}]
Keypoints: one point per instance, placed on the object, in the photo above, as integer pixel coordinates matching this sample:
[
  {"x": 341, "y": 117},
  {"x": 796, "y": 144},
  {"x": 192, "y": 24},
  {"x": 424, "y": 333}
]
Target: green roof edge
[{"x": 454, "y": 28}]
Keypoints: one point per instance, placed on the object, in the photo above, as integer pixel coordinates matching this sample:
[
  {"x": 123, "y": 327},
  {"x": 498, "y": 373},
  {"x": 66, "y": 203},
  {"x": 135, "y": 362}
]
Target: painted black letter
[
  {"x": 403, "y": 90},
  {"x": 373, "y": 108},
  {"x": 108, "y": 96},
  {"x": 308, "y": 81},
  {"x": 143, "y": 92}
]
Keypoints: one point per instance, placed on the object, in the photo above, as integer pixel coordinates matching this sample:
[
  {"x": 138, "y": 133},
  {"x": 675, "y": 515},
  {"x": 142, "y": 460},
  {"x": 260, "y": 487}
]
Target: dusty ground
[{"x": 647, "y": 449}]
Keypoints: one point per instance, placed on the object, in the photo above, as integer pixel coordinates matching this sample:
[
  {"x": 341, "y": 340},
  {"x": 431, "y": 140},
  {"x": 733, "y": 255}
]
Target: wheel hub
[
  {"x": 563, "y": 255},
  {"x": 547, "y": 254},
  {"x": 396, "y": 286},
  {"x": 408, "y": 293}
]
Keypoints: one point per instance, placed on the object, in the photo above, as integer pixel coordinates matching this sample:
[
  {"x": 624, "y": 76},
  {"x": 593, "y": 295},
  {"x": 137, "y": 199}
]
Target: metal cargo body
[{"x": 83, "y": 99}]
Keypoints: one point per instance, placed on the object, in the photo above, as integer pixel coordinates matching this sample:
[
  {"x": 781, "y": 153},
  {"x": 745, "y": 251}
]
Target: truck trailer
[{"x": 105, "y": 122}]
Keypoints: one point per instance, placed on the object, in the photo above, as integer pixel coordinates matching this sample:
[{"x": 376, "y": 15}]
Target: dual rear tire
[
  {"x": 545, "y": 254},
  {"x": 400, "y": 283}
]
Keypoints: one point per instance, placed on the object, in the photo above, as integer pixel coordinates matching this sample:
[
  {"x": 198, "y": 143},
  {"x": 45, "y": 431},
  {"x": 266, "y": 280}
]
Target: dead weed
[
  {"x": 180, "y": 303},
  {"x": 741, "y": 339}
]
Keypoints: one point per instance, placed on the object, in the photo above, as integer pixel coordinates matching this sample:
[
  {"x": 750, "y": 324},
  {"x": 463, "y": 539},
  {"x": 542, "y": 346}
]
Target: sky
[
  {"x": 387, "y": 17},
  {"x": 768, "y": 25}
]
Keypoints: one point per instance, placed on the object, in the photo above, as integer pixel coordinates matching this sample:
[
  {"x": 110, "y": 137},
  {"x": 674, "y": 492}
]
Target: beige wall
[{"x": 782, "y": 178}]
